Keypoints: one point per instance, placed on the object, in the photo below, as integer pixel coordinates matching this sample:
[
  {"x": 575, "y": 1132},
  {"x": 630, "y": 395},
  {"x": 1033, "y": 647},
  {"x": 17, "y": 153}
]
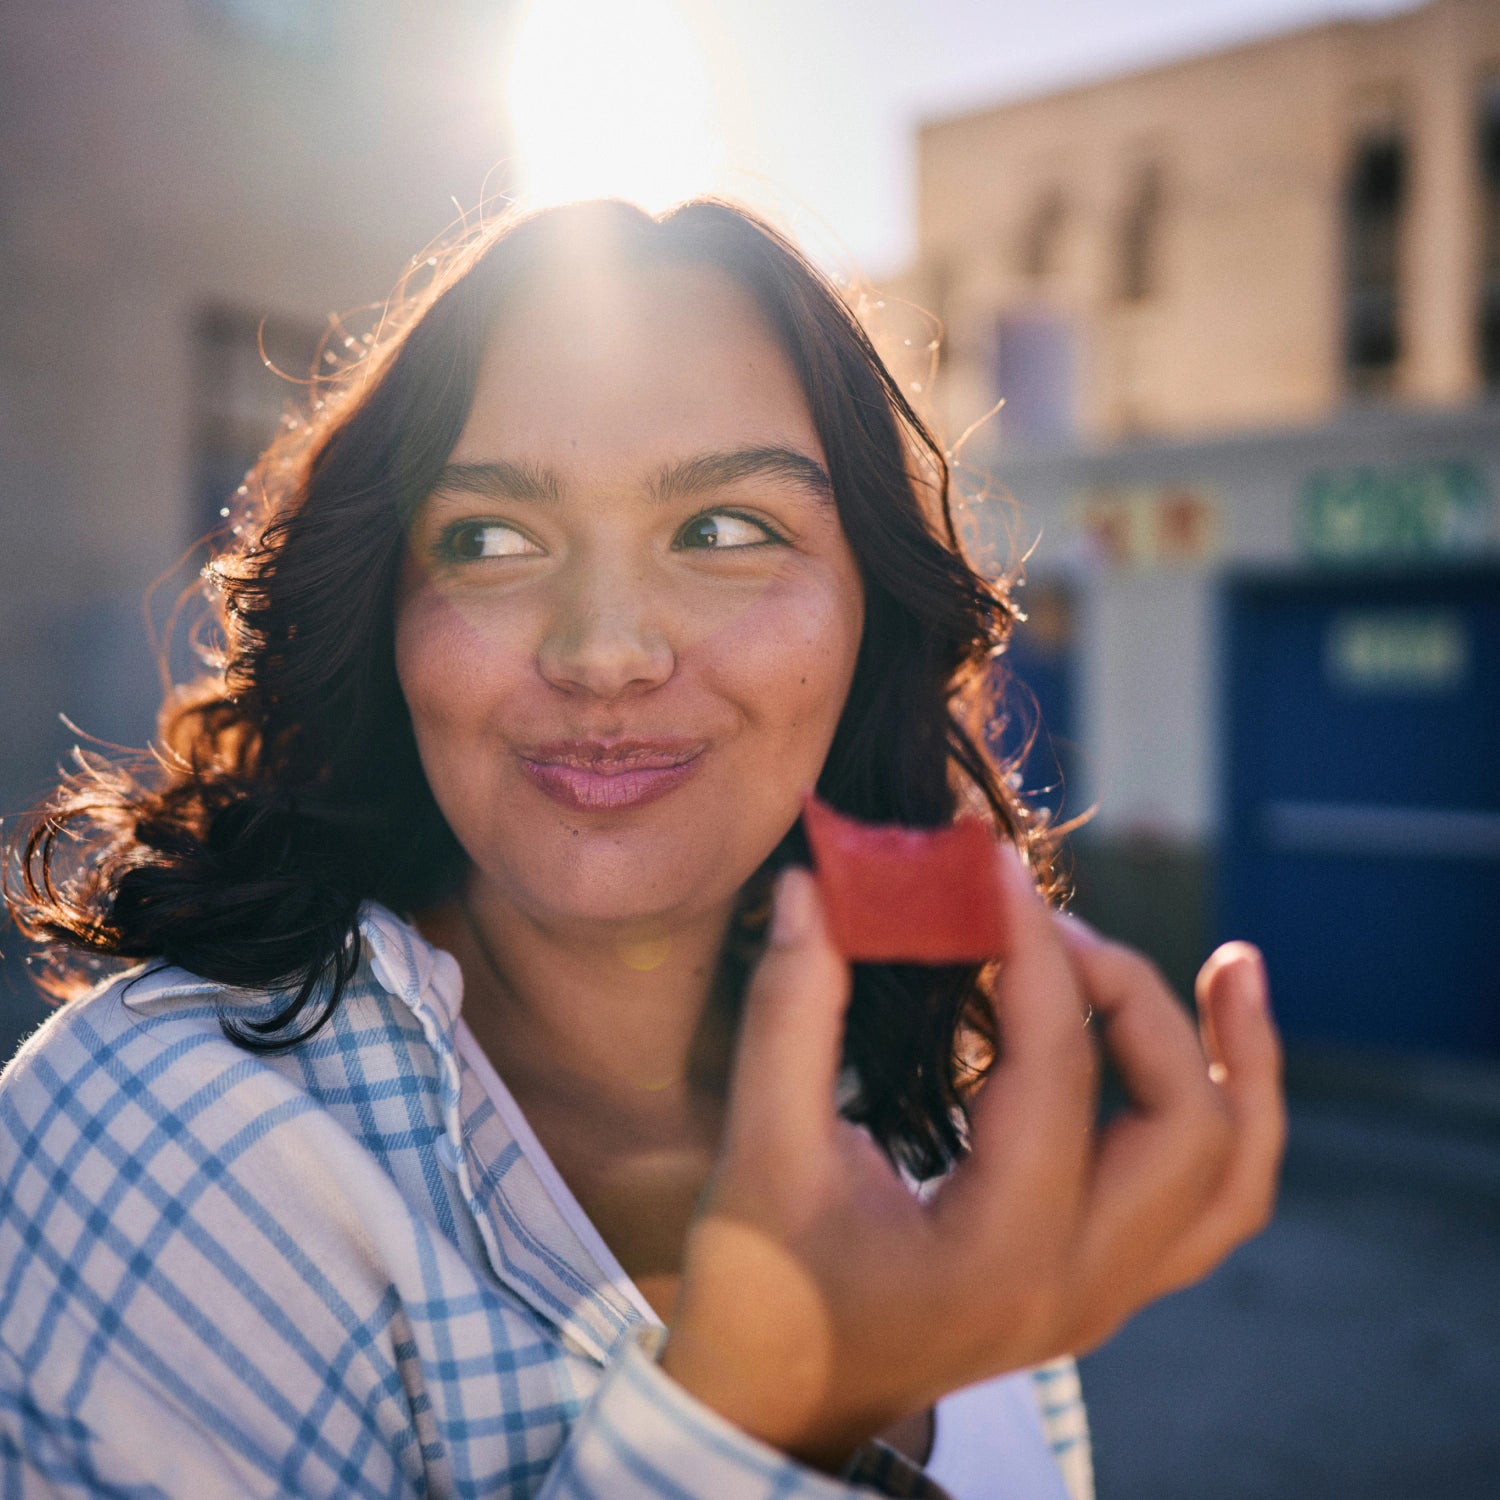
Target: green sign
[
  {"x": 1428, "y": 510},
  {"x": 1397, "y": 651}
]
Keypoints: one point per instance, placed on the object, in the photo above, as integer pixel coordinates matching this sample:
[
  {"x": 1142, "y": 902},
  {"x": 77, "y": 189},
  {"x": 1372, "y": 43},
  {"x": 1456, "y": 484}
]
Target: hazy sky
[{"x": 820, "y": 97}]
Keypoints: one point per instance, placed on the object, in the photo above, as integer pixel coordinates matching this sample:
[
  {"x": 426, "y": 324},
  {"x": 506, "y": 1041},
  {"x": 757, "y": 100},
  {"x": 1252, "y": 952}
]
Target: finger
[
  {"x": 1038, "y": 993},
  {"x": 1207, "y": 1033},
  {"x": 791, "y": 1034},
  {"x": 1246, "y": 1053},
  {"x": 1147, "y": 1033},
  {"x": 1161, "y": 1162},
  {"x": 1246, "y": 1062},
  {"x": 1030, "y": 1123},
  {"x": 1234, "y": 1020}
]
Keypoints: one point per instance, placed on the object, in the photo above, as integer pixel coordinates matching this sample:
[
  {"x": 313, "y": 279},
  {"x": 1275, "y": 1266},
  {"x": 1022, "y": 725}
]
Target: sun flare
[{"x": 611, "y": 99}]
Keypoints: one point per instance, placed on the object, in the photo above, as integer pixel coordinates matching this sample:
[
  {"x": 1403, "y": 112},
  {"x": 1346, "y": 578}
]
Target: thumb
[{"x": 792, "y": 1030}]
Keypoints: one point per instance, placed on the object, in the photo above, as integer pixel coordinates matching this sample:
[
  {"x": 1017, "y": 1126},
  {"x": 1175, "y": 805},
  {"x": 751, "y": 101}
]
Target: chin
[{"x": 613, "y": 886}]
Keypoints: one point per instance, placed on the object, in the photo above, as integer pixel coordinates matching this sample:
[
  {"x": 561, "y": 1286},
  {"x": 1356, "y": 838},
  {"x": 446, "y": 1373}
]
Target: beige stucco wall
[{"x": 1244, "y": 329}]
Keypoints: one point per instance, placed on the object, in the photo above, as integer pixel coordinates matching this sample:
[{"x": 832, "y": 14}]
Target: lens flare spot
[{"x": 645, "y": 951}]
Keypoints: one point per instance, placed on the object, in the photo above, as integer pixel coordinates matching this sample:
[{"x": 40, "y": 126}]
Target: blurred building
[
  {"x": 188, "y": 190},
  {"x": 1244, "y": 313}
]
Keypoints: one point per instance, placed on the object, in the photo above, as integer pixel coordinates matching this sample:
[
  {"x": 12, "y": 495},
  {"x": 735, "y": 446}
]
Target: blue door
[{"x": 1362, "y": 848}]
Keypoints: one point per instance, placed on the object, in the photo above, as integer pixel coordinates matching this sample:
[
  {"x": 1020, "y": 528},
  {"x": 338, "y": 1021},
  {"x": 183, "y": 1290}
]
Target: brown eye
[
  {"x": 469, "y": 541},
  {"x": 724, "y": 530}
]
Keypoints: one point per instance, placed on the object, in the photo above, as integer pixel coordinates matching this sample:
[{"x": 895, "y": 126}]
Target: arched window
[
  {"x": 1374, "y": 208},
  {"x": 1489, "y": 208},
  {"x": 1140, "y": 237}
]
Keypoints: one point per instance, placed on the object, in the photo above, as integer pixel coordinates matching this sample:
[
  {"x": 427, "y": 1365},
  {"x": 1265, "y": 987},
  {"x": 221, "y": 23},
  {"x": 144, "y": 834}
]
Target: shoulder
[
  {"x": 111, "y": 1040},
  {"x": 101, "y": 1132},
  {"x": 131, "y": 1112},
  {"x": 210, "y": 1241},
  {"x": 151, "y": 1044},
  {"x": 119, "y": 1108}
]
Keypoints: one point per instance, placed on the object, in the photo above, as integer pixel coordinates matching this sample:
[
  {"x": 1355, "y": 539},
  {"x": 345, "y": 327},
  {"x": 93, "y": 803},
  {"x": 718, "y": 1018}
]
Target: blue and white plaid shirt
[{"x": 330, "y": 1272}]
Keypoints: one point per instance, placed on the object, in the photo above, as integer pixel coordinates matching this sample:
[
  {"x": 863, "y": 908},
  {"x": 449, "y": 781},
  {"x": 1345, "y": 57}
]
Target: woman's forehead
[
  {"x": 614, "y": 311},
  {"x": 674, "y": 357}
]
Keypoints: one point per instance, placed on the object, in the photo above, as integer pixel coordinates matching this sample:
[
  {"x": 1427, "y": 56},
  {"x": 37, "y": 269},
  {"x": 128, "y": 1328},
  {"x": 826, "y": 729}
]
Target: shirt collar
[{"x": 530, "y": 1245}]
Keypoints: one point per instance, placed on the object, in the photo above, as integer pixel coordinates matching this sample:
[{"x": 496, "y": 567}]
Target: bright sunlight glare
[{"x": 611, "y": 99}]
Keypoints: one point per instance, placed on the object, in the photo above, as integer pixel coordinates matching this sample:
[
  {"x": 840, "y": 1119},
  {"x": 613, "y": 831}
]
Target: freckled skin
[{"x": 605, "y": 627}]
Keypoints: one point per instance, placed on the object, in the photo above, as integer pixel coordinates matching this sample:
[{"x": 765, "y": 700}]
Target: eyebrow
[
  {"x": 503, "y": 480},
  {"x": 713, "y": 471},
  {"x": 499, "y": 480}
]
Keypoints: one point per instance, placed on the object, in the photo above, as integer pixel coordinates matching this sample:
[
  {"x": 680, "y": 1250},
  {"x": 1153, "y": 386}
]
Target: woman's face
[{"x": 628, "y": 616}]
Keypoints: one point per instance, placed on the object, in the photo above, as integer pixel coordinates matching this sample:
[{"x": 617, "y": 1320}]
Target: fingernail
[
  {"x": 1247, "y": 976},
  {"x": 791, "y": 909}
]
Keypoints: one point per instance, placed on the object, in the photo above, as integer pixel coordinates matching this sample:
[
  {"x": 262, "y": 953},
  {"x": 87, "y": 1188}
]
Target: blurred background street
[
  {"x": 1233, "y": 269},
  {"x": 1354, "y": 1348}
]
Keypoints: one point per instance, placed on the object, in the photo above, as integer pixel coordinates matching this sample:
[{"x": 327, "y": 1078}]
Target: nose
[{"x": 609, "y": 634}]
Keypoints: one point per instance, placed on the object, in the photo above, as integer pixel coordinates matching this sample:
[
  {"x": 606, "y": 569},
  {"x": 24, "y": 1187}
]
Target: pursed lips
[
  {"x": 602, "y": 775},
  {"x": 611, "y": 757}
]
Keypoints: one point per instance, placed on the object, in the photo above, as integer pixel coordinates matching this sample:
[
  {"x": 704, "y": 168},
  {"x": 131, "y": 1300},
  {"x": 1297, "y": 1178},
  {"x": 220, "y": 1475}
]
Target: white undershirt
[{"x": 987, "y": 1443}]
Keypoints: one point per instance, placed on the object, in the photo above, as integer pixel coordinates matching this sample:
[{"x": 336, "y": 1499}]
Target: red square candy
[{"x": 907, "y": 895}]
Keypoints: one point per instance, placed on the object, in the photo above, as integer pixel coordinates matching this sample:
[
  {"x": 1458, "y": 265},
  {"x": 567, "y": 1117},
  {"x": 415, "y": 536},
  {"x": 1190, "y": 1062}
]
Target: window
[
  {"x": 1489, "y": 209},
  {"x": 1374, "y": 206},
  {"x": 1041, "y": 240},
  {"x": 939, "y": 291},
  {"x": 1036, "y": 371},
  {"x": 1140, "y": 237},
  {"x": 238, "y": 401}
]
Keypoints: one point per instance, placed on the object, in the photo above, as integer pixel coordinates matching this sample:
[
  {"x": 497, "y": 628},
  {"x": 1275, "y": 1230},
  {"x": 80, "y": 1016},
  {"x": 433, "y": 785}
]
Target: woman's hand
[{"x": 821, "y": 1301}]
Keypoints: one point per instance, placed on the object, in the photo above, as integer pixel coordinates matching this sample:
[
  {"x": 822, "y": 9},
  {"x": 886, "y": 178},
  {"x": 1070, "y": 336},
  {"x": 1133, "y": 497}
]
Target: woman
[{"x": 619, "y": 540}]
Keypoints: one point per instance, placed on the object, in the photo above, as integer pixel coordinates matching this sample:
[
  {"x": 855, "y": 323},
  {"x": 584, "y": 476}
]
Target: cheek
[
  {"x": 444, "y": 655},
  {"x": 791, "y": 653}
]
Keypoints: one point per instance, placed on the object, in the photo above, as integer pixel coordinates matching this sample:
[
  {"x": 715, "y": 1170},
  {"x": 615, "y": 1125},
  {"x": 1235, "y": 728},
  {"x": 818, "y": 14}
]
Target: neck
[{"x": 622, "y": 1021}]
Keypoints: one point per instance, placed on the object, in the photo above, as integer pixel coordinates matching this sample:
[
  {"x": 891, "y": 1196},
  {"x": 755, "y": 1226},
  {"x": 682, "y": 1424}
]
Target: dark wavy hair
[{"x": 285, "y": 787}]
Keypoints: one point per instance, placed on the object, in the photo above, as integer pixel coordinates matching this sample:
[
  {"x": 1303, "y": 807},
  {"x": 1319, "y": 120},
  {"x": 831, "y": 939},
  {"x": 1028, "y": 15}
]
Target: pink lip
[{"x": 595, "y": 775}]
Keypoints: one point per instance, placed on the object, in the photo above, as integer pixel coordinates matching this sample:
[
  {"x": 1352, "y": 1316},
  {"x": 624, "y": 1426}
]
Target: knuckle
[
  {"x": 1245, "y": 1209},
  {"x": 1218, "y": 1139},
  {"x": 1024, "y": 1298},
  {"x": 1277, "y": 1135},
  {"x": 1259, "y": 1208},
  {"x": 1100, "y": 1323},
  {"x": 1071, "y": 1051},
  {"x": 1206, "y": 1145},
  {"x": 1130, "y": 969},
  {"x": 1038, "y": 1321},
  {"x": 1261, "y": 1217}
]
